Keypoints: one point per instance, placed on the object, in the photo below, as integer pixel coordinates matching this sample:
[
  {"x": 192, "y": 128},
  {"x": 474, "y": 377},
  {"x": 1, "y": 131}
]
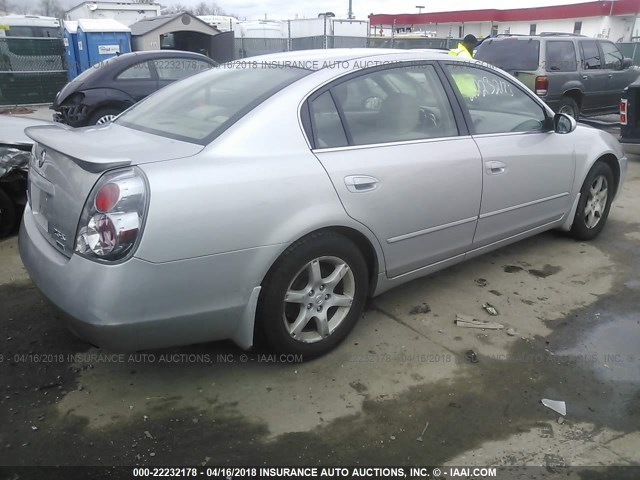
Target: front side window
[
  {"x": 395, "y": 105},
  {"x": 139, "y": 71},
  {"x": 178, "y": 68},
  {"x": 495, "y": 104},
  {"x": 612, "y": 56},
  {"x": 590, "y": 55},
  {"x": 561, "y": 57},
  {"x": 201, "y": 107}
]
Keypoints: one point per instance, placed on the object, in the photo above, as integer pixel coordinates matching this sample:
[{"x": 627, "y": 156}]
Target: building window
[
  {"x": 494, "y": 30},
  {"x": 577, "y": 28},
  {"x": 532, "y": 29}
]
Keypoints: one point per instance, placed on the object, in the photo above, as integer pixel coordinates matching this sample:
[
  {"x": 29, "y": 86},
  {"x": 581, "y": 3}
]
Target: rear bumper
[
  {"x": 138, "y": 305},
  {"x": 630, "y": 146}
]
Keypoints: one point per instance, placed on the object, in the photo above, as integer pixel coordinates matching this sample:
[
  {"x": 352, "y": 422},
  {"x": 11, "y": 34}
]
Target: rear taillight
[
  {"x": 623, "y": 111},
  {"x": 542, "y": 86},
  {"x": 112, "y": 218}
]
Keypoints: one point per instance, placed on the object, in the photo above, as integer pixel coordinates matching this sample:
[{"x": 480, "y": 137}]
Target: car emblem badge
[{"x": 43, "y": 158}]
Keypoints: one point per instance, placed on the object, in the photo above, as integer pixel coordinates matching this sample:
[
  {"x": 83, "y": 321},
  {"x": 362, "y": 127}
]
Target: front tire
[
  {"x": 596, "y": 196},
  {"x": 103, "y": 116},
  {"x": 314, "y": 295}
]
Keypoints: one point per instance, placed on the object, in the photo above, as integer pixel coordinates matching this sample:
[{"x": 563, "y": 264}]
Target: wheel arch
[
  {"x": 372, "y": 255},
  {"x": 575, "y": 94},
  {"x": 611, "y": 160}
]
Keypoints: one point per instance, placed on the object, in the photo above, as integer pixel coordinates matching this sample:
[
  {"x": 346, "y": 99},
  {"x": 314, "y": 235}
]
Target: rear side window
[
  {"x": 561, "y": 57},
  {"x": 590, "y": 55},
  {"x": 510, "y": 53},
  {"x": 179, "y": 68},
  {"x": 139, "y": 71},
  {"x": 404, "y": 104},
  {"x": 201, "y": 107},
  {"x": 612, "y": 56}
]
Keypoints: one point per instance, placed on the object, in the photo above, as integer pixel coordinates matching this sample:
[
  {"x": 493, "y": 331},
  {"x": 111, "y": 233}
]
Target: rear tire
[
  {"x": 7, "y": 214},
  {"x": 103, "y": 116},
  {"x": 569, "y": 106},
  {"x": 596, "y": 196},
  {"x": 314, "y": 295}
]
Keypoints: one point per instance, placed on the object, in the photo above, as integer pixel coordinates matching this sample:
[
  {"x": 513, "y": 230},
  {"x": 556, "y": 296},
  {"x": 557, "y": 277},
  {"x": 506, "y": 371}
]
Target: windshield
[
  {"x": 510, "y": 53},
  {"x": 200, "y": 108}
]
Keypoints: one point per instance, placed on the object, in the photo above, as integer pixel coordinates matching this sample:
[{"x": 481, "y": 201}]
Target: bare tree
[
  {"x": 5, "y": 6},
  {"x": 177, "y": 8},
  {"x": 50, "y": 8}
]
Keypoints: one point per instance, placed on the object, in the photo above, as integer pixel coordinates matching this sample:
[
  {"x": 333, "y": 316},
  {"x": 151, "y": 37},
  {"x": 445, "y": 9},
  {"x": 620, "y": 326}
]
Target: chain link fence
[{"x": 32, "y": 70}]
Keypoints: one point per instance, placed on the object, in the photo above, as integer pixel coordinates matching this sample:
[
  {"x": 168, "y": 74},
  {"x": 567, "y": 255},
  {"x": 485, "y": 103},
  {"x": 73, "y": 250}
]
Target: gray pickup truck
[{"x": 573, "y": 74}]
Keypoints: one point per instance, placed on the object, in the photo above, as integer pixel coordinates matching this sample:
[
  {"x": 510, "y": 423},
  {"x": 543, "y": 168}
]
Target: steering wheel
[{"x": 429, "y": 117}]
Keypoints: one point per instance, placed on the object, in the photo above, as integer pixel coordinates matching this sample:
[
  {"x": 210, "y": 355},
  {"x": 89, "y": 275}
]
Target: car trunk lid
[{"x": 67, "y": 163}]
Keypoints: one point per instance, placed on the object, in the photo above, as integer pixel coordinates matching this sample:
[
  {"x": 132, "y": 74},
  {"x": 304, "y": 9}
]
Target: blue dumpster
[
  {"x": 71, "y": 48},
  {"x": 99, "y": 40}
]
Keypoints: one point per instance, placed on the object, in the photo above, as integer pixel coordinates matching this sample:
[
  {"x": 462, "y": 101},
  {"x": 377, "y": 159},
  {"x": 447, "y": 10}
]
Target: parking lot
[{"x": 404, "y": 388}]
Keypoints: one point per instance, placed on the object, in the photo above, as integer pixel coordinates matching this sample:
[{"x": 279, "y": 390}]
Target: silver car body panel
[{"x": 220, "y": 216}]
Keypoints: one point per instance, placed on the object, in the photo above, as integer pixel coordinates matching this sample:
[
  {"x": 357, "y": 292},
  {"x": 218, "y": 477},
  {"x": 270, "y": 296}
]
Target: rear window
[
  {"x": 510, "y": 53},
  {"x": 561, "y": 57},
  {"x": 201, "y": 107}
]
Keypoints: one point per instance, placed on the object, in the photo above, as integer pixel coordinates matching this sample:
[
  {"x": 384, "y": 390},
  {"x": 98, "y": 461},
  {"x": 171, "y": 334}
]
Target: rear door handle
[
  {"x": 360, "y": 183},
  {"x": 495, "y": 168},
  {"x": 585, "y": 77}
]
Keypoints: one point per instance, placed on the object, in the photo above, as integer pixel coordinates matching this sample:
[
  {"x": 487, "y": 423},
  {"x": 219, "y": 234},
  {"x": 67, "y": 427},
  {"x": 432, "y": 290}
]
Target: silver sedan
[{"x": 279, "y": 193}]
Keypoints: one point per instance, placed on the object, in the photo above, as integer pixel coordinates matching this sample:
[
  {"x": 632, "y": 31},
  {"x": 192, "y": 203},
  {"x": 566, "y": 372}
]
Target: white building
[
  {"x": 302, "y": 28},
  {"x": 616, "y": 20},
  {"x": 123, "y": 11},
  {"x": 223, "y": 23}
]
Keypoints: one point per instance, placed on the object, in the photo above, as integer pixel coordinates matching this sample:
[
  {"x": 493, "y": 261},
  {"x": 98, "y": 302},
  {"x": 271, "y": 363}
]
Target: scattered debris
[
  {"x": 152, "y": 454},
  {"x": 424, "y": 308},
  {"x": 148, "y": 435},
  {"x": 490, "y": 309},
  {"x": 560, "y": 420},
  {"x": 426, "y": 425},
  {"x": 471, "y": 356},
  {"x": 392, "y": 437},
  {"x": 512, "y": 269},
  {"x": 481, "y": 282},
  {"x": 555, "y": 405},
  {"x": 495, "y": 292},
  {"x": 34, "y": 428},
  {"x": 467, "y": 321},
  {"x": 206, "y": 460},
  {"x": 16, "y": 111},
  {"x": 441, "y": 331},
  {"x": 511, "y": 332}
]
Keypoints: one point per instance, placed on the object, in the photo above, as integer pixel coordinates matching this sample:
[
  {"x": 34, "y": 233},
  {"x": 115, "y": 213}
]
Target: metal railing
[{"x": 249, "y": 47}]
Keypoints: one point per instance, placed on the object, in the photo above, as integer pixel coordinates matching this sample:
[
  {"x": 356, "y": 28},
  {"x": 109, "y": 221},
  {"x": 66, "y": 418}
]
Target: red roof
[{"x": 579, "y": 10}]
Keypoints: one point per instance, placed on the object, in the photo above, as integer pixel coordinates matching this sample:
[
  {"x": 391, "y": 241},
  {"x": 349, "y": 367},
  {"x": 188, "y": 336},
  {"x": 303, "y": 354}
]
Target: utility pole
[
  {"x": 350, "y": 16},
  {"x": 419, "y": 7}
]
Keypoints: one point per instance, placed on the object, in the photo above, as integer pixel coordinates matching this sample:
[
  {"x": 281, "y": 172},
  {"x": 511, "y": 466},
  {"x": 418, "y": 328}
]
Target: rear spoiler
[{"x": 69, "y": 142}]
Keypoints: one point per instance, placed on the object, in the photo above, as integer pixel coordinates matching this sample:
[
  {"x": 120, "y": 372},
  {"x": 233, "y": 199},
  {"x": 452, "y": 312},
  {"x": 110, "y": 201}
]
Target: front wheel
[
  {"x": 104, "y": 116},
  {"x": 314, "y": 295},
  {"x": 596, "y": 196}
]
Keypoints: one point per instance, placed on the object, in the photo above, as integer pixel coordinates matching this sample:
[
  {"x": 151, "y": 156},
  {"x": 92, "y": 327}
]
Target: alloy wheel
[
  {"x": 597, "y": 201},
  {"x": 106, "y": 119},
  {"x": 318, "y": 299}
]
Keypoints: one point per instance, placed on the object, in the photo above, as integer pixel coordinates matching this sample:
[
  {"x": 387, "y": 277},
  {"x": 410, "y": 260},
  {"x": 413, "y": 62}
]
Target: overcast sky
[
  {"x": 284, "y": 9},
  {"x": 288, "y": 9}
]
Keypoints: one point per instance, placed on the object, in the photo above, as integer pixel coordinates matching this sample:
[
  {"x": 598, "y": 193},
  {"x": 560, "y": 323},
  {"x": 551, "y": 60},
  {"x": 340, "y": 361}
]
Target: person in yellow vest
[
  {"x": 466, "y": 83},
  {"x": 465, "y": 48}
]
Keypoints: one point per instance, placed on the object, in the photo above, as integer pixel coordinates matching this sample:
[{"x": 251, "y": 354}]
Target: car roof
[
  {"x": 319, "y": 59},
  {"x": 150, "y": 54}
]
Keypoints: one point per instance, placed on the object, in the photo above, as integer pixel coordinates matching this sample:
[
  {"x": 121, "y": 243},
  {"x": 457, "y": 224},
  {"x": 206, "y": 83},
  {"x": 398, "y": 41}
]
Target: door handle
[
  {"x": 495, "y": 168},
  {"x": 611, "y": 75},
  {"x": 360, "y": 183},
  {"x": 585, "y": 77}
]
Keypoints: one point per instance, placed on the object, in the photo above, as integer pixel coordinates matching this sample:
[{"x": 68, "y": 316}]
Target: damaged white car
[{"x": 15, "y": 152}]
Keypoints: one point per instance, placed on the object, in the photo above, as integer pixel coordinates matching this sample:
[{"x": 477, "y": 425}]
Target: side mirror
[
  {"x": 563, "y": 123},
  {"x": 626, "y": 63}
]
